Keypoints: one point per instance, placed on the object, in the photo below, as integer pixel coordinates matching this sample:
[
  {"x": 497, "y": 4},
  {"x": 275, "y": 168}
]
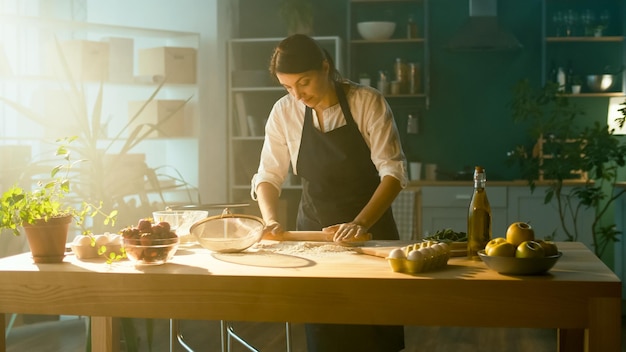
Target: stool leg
[
  {"x": 228, "y": 331},
  {"x": 231, "y": 333},
  {"x": 288, "y": 336},
  {"x": 176, "y": 334},
  {"x": 11, "y": 322},
  {"x": 224, "y": 336}
]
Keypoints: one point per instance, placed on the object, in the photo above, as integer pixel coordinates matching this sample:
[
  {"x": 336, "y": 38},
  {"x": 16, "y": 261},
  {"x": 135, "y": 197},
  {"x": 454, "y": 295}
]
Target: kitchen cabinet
[
  {"x": 107, "y": 70},
  {"x": 447, "y": 207},
  {"x": 584, "y": 37},
  {"x": 371, "y": 57},
  {"x": 252, "y": 93}
]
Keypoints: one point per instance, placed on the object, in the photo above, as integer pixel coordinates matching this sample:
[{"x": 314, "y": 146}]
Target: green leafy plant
[
  {"x": 573, "y": 151},
  {"x": 19, "y": 206}
]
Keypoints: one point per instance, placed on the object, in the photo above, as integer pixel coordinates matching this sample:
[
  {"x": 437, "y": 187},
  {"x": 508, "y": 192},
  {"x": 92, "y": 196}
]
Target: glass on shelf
[
  {"x": 587, "y": 20},
  {"x": 557, "y": 21},
  {"x": 603, "y": 24},
  {"x": 570, "y": 21}
]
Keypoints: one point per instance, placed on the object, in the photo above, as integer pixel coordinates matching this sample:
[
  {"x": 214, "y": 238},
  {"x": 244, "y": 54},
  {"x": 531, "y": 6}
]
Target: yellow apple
[
  {"x": 549, "y": 248},
  {"x": 493, "y": 243},
  {"x": 502, "y": 249},
  {"x": 529, "y": 249},
  {"x": 519, "y": 232}
]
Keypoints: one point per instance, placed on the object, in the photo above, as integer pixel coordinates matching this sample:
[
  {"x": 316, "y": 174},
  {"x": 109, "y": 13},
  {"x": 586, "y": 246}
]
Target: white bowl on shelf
[{"x": 376, "y": 30}]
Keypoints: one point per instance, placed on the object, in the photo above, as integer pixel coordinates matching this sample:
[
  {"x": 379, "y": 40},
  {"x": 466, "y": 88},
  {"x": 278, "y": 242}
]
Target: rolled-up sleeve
[
  {"x": 378, "y": 127},
  {"x": 283, "y": 132}
]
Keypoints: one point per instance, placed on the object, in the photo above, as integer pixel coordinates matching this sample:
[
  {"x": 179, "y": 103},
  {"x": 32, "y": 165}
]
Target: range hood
[{"x": 482, "y": 31}]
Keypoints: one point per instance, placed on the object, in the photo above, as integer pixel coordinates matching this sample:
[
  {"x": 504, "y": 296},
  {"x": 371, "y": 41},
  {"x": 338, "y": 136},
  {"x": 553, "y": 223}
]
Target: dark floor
[{"x": 69, "y": 336}]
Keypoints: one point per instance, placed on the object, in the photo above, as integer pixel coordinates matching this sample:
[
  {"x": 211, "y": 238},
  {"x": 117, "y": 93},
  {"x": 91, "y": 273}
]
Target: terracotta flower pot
[{"x": 47, "y": 239}]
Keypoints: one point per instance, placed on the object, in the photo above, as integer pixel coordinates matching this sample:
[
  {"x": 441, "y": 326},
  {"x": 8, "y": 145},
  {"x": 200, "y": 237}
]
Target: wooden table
[{"x": 580, "y": 296}]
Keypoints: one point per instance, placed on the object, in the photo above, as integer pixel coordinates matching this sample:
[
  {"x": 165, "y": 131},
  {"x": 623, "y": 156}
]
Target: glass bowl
[
  {"x": 148, "y": 251},
  {"x": 180, "y": 222},
  {"x": 228, "y": 233}
]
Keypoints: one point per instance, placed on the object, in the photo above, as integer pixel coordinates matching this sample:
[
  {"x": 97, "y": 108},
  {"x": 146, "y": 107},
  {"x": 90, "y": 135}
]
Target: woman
[{"x": 341, "y": 139}]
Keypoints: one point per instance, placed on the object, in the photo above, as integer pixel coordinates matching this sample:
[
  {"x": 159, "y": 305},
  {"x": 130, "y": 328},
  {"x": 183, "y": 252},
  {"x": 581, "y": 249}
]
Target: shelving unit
[
  {"x": 28, "y": 47},
  {"x": 381, "y": 54},
  {"x": 544, "y": 156},
  {"x": 560, "y": 48},
  {"x": 252, "y": 93}
]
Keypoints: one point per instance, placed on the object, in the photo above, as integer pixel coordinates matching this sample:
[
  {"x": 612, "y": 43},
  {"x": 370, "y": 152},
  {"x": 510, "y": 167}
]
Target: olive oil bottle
[{"x": 478, "y": 217}]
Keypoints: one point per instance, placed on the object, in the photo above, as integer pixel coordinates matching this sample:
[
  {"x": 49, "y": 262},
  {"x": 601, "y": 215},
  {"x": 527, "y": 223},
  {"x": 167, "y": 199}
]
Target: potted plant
[
  {"x": 589, "y": 150},
  {"x": 43, "y": 213},
  {"x": 298, "y": 15}
]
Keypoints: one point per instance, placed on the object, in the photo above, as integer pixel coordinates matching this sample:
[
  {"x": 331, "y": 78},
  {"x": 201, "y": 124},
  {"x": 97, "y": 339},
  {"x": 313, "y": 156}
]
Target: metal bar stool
[
  {"x": 176, "y": 335},
  {"x": 228, "y": 332}
]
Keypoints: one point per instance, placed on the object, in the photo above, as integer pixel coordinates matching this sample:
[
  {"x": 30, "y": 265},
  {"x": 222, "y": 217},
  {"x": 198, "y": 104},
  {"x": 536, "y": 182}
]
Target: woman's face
[{"x": 310, "y": 87}]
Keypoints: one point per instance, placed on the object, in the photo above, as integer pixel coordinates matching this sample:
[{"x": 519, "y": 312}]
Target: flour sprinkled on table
[{"x": 300, "y": 248}]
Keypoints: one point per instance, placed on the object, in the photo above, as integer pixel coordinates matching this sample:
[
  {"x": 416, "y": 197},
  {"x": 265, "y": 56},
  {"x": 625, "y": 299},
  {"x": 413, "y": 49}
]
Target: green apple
[
  {"x": 502, "y": 249},
  {"x": 519, "y": 232},
  {"x": 549, "y": 248},
  {"x": 529, "y": 249},
  {"x": 493, "y": 243}
]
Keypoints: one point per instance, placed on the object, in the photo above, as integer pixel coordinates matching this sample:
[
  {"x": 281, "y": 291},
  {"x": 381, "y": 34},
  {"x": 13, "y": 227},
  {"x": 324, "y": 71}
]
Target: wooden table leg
[
  {"x": 604, "y": 332},
  {"x": 605, "y": 325},
  {"x": 571, "y": 340},
  {"x": 3, "y": 341},
  {"x": 105, "y": 334}
]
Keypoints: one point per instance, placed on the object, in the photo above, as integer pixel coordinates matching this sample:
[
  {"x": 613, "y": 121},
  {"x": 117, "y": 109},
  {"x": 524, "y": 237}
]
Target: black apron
[{"x": 338, "y": 179}]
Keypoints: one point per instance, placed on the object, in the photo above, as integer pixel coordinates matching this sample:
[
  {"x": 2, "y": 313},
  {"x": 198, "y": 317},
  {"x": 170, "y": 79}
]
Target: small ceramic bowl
[
  {"x": 519, "y": 266},
  {"x": 376, "y": 30},
  {"x": 83, "y": 248}
]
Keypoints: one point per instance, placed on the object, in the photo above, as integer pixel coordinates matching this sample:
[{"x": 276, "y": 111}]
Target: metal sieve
[{"x": 228, "y": 233}]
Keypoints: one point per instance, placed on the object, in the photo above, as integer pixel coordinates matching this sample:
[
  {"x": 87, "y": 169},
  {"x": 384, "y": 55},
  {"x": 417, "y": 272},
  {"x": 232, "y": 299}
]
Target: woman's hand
[
  {"x": 349, "y": 231},
  {"x": 273, "y": 230}
]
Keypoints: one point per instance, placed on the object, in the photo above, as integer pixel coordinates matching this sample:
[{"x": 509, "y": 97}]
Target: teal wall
[{"x": 469, "y": 121}]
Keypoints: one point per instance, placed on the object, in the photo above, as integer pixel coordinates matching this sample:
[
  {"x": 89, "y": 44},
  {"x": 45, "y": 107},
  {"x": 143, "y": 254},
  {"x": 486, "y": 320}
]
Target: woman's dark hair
[{"x": 300, "y": 53}]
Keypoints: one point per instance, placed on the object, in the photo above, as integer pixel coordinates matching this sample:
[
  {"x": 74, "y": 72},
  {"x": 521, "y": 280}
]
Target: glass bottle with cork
[{"x": 479, "y": 216}]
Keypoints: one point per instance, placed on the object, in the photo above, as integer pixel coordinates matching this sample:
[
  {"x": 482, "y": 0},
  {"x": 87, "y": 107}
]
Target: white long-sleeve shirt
[{"x": 370, "y": 111}]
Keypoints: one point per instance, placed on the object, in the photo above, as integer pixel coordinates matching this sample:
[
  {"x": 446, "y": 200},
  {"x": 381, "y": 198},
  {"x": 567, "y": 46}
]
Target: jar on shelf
[
  {"x": 412, "y": 124},
  {"x": 364, "y": 79},
  {"x": 414, "y": 77},
  {"x": 411, "y": 28},
  {"x": 401, "y": 75},
  {"x": 383, "y": 82}
]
